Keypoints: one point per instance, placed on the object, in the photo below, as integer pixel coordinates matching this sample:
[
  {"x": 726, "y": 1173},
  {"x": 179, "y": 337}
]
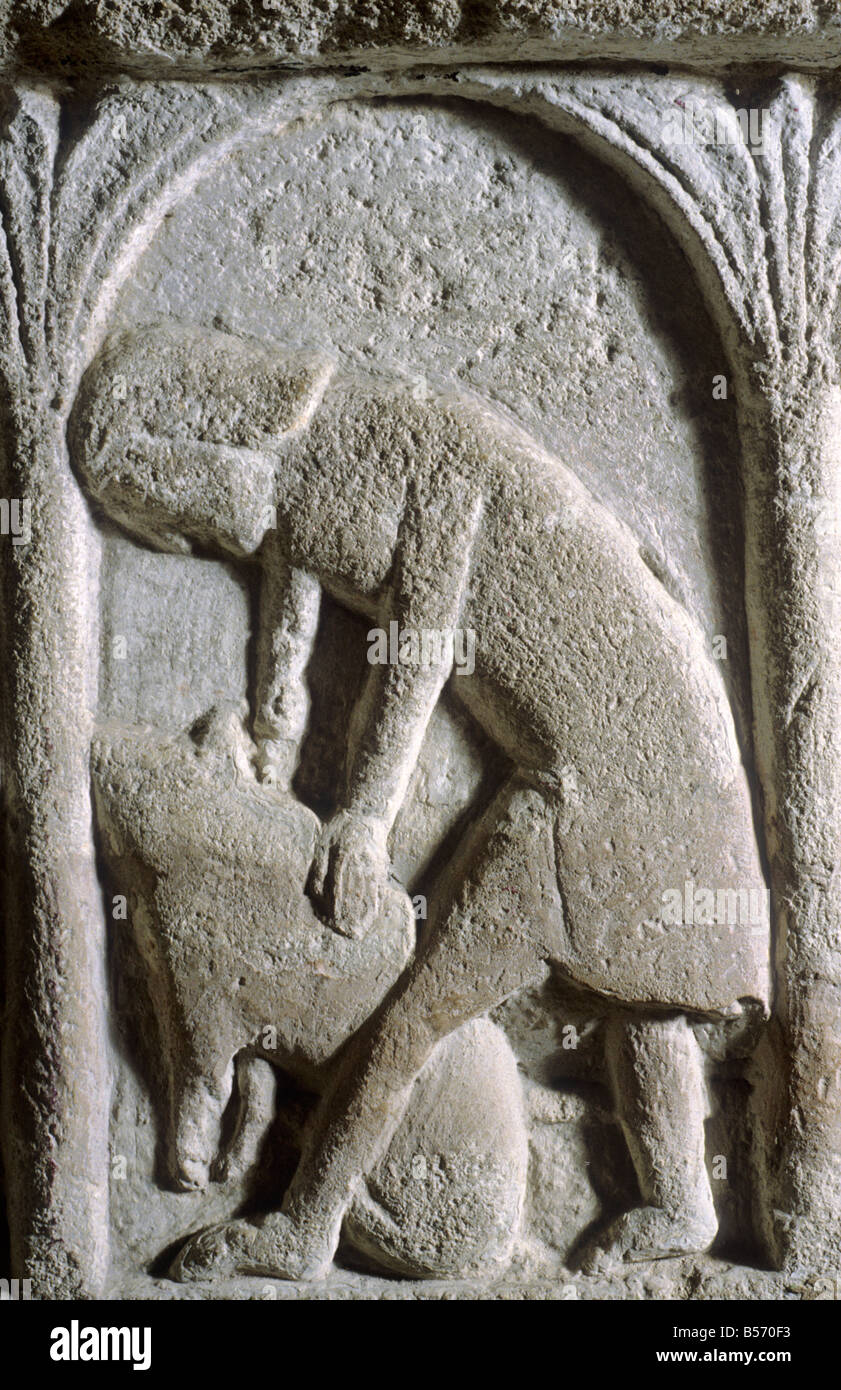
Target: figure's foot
[
  {"x": 650, "y": 1233},
  {"x": 276, "y": 1248}
]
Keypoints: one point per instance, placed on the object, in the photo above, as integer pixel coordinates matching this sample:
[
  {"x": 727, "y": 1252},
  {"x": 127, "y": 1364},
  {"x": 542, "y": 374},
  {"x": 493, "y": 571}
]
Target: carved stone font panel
[{"x": 421, "y": 698}]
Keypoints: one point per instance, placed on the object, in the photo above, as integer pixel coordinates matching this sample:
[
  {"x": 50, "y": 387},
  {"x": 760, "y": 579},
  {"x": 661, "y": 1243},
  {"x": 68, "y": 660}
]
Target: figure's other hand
[{"x": 349, "y": 873}]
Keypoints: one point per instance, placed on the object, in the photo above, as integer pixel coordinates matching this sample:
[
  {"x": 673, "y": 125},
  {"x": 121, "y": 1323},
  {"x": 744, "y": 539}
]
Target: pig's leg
[
  {"x": 257, "y": 1086},
  {"x": 201, "y": 1088}
]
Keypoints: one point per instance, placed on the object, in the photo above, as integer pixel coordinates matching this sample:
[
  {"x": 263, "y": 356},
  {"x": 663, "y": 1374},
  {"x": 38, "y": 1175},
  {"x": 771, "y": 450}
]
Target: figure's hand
[{"x": 350, "y": 872}]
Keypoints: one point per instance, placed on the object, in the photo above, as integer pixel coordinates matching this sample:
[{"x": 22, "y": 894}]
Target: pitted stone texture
[
  {"x": 455, "y": 247},
  {"x": 448, "y": 1197},
  {"x": 604, "y": 691},
  {"x": 401, "y": 507},
  {"x": 222, "y": 36},
  {"x": 441, "y": 367}
]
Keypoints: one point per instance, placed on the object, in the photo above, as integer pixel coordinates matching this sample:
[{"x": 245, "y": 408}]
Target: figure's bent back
[{"x": 586, "y": 672}]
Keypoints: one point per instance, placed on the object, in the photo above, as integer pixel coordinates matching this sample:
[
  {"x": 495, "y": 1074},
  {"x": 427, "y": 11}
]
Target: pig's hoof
[
  {"x": 190, "y": 1174},
  {"x": 192, "y": 1149},
  {"x": 232, "y": 1166}
]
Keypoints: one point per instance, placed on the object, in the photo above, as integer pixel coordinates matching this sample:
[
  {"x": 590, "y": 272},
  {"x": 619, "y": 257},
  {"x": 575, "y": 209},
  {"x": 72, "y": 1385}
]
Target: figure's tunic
[
  {"x": 593, "y": 679},
  {"x": 656, "y": 851}
]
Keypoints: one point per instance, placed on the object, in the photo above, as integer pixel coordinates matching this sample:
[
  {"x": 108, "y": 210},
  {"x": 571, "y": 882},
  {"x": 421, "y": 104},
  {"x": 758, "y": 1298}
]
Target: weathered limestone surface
[
  {"x": 421, "y": 688},
  {"x": 134, "y": 36}
]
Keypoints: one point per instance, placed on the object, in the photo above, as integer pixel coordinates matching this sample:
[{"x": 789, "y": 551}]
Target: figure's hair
[
  {"x": 168, "y": 415},
  {"x": 196, "y": 384}
]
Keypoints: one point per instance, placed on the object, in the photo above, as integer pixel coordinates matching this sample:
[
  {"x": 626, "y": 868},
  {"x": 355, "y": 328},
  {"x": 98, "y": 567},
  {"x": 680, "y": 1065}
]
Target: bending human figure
[{"x": 626, "y": 780}]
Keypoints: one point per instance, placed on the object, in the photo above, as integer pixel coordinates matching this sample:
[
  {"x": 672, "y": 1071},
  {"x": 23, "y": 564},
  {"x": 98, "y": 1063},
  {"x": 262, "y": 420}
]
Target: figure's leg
[
  {"x": 660, "y": 1099},
  {"x": 490, "y": 942}
]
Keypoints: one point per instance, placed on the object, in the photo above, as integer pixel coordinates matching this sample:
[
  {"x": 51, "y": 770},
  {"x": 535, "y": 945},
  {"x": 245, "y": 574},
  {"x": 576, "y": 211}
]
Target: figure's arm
[
  {"x": 426, "y": 596},
  {"x": 432, "y": 568},
  {"x": 288, "y": 609}
]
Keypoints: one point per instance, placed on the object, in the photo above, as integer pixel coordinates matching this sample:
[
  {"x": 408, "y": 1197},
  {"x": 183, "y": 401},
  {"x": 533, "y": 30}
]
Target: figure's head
[{"x": 175, "y": 430}]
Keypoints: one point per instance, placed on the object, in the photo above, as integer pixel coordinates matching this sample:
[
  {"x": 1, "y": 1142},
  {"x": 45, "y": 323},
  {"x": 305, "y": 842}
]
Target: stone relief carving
[
  {"x": 614, "y": 854},
  {"x": 625, "y": 768}
]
